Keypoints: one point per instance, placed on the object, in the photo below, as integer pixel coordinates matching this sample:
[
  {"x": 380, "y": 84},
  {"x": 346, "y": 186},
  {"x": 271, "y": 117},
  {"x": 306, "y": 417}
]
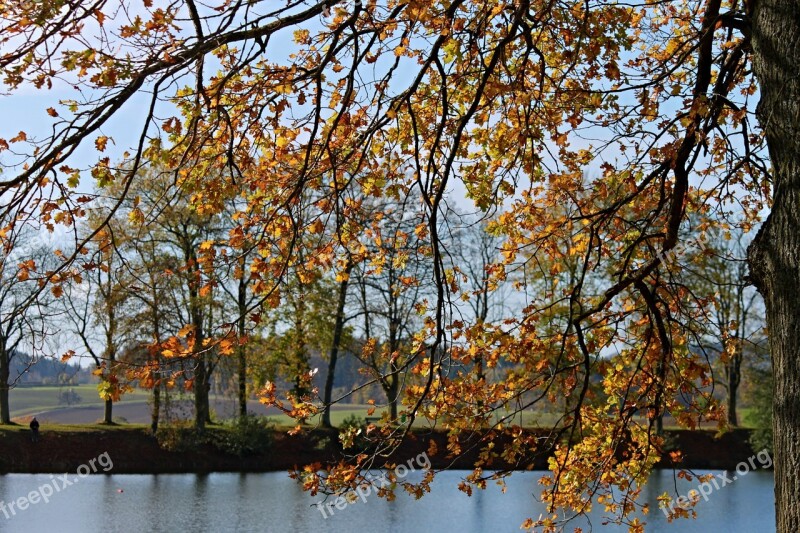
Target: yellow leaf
[
  {"x": 100, "y": 143},
  {"x": 136, "y": 216},
  {"x": 226, "y": 347},
  {"x": 301, "y": 36},
  {"x": 317, "y": 227}
]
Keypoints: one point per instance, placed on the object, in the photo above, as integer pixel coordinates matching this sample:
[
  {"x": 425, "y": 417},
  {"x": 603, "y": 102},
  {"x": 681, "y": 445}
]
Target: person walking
[{"x": 34, "y": 430}]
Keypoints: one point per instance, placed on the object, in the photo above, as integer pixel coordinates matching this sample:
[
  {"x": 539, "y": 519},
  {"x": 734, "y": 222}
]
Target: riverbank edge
[{"x": 136, "y": 451}]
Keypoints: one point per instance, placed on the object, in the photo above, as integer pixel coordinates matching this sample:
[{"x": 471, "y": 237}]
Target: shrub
[
  {"x": 178, "y": 437},
  {"x": 244, "y": 436}
]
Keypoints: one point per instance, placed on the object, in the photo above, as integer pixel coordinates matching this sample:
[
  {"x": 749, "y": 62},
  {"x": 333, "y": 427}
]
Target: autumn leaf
[{"x": 100, "y": 143}]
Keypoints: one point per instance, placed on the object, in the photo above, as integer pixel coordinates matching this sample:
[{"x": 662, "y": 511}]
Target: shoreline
[{"x": 136, "y": 451}]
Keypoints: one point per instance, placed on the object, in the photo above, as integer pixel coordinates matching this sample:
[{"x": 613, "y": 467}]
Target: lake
[{"x": 273, "y": 502}]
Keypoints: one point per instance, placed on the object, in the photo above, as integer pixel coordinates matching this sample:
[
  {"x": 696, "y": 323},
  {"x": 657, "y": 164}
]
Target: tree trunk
[
  {"x": 242, "y": 378},
  {"x": 201, "y": 409},
  {"x": 201, "y": 376},
  {"x": 774, "y": 255},
  {"x": 392, "y": 393},
  {"x": 338, "y": 328},
  {"x": 107, "y": 412},
  {"x": 733, "y": 390},
  {"x": 5, "y": 410},
  {"x": 155, "y": 413},
  {"x": 241, "y": 349},
  {"x": 392, "y": 388}
]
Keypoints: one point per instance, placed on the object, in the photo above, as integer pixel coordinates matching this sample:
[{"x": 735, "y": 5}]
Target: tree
[
  {"x": 477, "y": 255},
  {"x": 734, "y": 326},
  {"x": 94, "y": 303},
  {"x": 244, "y": 300},
  {"x": 337, "y": 341},
  {"x": 301, "y": 325},
  {"x": 150, "y": 318},
  {"x": 773, "y": 256},
  {"x": 510, "y": 101},
  {"x": 393, "y": 285},
  {"x": 24, "y": 317},
  {"x": 161, "y": 230}
]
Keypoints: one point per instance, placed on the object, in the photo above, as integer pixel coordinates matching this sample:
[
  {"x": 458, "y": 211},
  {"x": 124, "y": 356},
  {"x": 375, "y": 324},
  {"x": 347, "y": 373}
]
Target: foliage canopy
[{"x": 591, "y": 132}]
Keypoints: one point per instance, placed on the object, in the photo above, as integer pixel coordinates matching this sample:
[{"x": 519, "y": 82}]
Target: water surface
[{"x": 274, "y": 503}]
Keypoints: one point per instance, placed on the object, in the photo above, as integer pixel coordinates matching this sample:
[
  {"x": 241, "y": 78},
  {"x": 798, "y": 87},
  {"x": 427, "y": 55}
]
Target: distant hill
[{"x": 30, "y": 371}]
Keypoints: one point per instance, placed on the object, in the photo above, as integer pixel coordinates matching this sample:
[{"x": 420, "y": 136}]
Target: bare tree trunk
[
  {"x": 392, "y": 393},
  {"x": 156, "y": 412},
  {"x": 201, "y": 376},
  {"x": 734, "y": 378},
  {"x": 202, "y": 412},
  {"x": 774, "y": 256},
  {"x": 338, "y": 328},
  {"x": 201, "y": 409},
  {"x": 242, "y": 378},
  {"x": 5, "y": 371},
  {"x": 241, "y": 351}
]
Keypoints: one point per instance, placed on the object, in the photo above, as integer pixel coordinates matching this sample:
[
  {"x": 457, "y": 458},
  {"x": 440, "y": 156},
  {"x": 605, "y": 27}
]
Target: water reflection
[{"x": 273, "y": 502}]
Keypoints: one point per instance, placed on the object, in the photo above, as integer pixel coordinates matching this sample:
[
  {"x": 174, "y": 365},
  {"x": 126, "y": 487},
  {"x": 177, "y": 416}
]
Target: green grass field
[
  {"x": 78, "y": 428},
  {"x": 337, "y": 416},
  {"x": 28, "y": 400}
]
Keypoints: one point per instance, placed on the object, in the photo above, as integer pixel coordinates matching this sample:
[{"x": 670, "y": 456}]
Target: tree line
[{"x": 150, "y": 313}]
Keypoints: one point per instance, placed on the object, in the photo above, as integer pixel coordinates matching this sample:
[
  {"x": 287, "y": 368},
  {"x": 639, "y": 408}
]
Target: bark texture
[{"x": 774, "y": 256}]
